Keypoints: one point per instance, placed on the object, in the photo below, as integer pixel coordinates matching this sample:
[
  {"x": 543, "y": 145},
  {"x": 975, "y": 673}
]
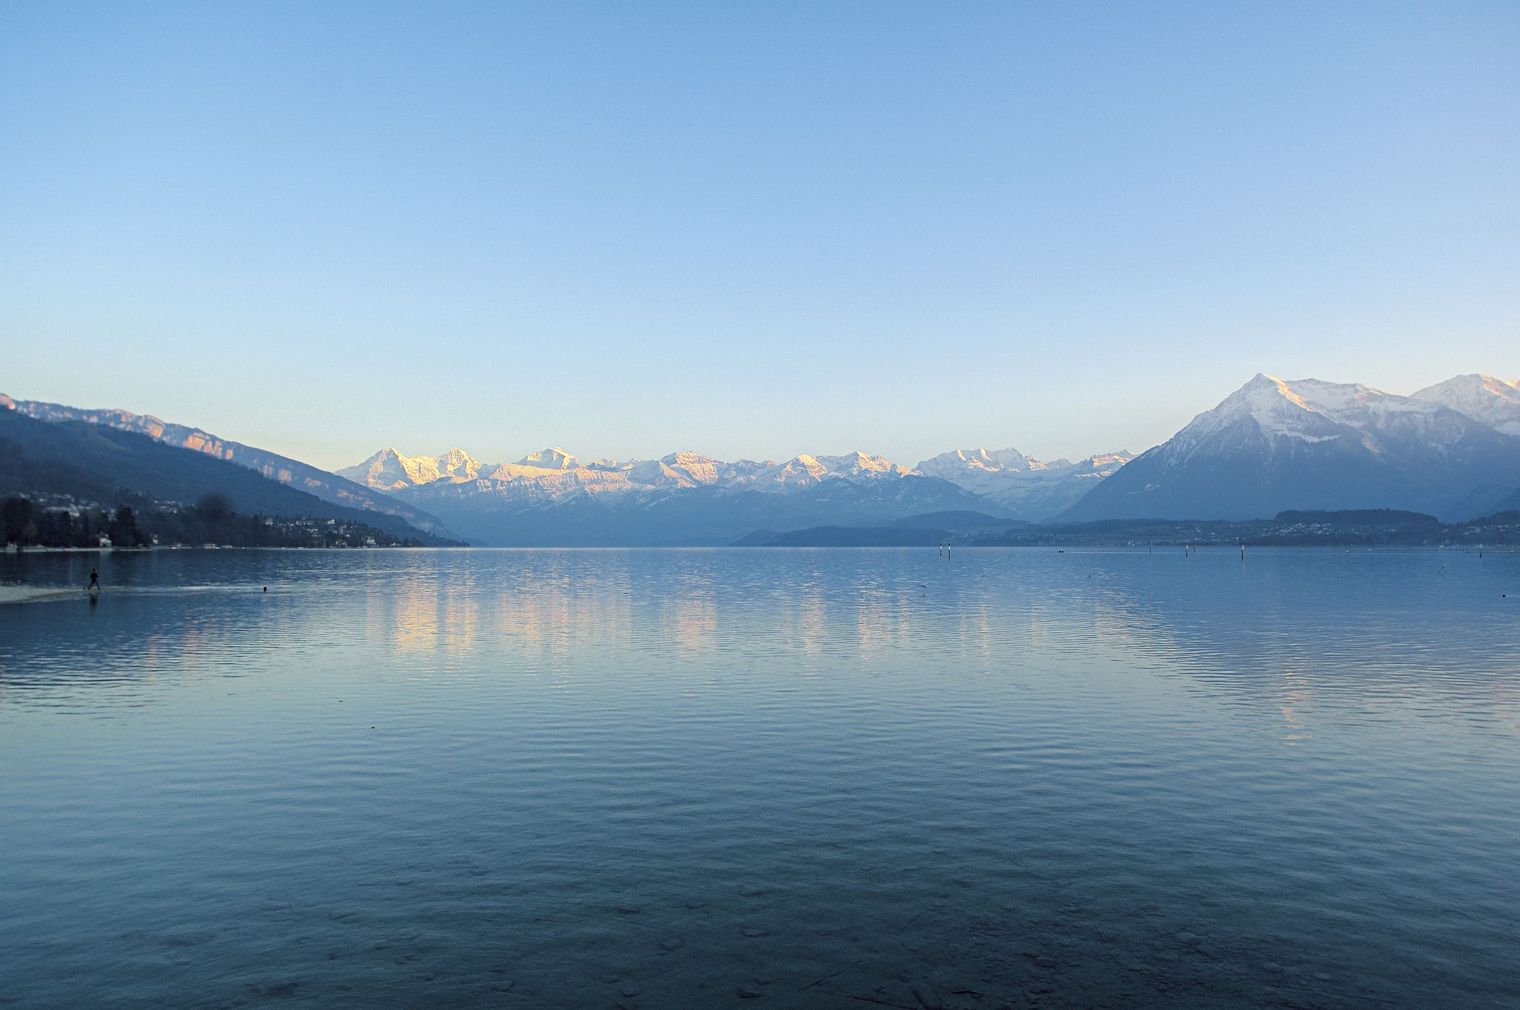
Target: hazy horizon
[{"x": 510, "y": 455}]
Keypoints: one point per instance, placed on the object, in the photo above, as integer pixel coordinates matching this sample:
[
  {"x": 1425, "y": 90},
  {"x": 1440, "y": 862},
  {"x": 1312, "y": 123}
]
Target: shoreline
[
  {"x": 12, "y": 593},
  {"x": 157, "y": 548}
]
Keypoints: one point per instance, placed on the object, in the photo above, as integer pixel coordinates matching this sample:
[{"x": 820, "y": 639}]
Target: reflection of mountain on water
[
  {"x": 1283, "y": 628},
  {"x": 552, "y": 604},
  {"x": 1369, "y": 633},
  {"x": 1288, "y": 629}
]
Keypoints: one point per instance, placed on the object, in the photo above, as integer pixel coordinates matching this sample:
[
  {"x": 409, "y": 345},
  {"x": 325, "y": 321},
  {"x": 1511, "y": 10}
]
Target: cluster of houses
[{"x": 328, "y": 533}]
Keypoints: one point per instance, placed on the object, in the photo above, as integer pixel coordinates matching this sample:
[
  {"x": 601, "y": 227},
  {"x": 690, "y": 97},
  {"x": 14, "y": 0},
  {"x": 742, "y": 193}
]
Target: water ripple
[{"x": 680, "y": 778}]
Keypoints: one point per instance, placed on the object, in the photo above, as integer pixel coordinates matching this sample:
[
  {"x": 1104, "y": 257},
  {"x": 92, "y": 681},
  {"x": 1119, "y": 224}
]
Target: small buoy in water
[{"x": 266, "y": 589}]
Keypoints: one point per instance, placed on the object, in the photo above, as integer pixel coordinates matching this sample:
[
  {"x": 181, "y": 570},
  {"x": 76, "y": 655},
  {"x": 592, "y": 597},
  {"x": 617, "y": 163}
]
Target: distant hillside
[
  {"x": 303, "y": 476},
  {"x": 959, "y": 520},
  {"x": 1365, "y": 527},
  {"x": 852, "y": 536},
  {"x": 927, "y": 529},
  {"x": 1510, "y": 503},
  {"x": 692, "y": 516},
  {"x": 26, "y": 525},
  {"x": 1298, "y": 528},
  {"x": 106, "y": 466}
]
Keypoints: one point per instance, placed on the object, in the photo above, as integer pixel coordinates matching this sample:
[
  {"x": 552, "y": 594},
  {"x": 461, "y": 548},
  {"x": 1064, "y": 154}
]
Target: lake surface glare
[{"x": 762, "y": 778}]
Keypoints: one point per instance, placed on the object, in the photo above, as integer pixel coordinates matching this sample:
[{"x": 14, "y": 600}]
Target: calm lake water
[{"x": 763, "y": 778}]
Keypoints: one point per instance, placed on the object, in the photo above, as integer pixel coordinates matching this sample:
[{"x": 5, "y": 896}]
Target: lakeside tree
[
  {"x": 216, "y": 507},
  {"x": 123, "y": 529},
  {"x": 17, "y": 514},
  {"x": 211, "y": 521}
]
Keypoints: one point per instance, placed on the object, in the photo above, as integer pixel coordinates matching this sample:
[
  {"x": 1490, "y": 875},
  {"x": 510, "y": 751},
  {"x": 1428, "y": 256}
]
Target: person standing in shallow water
[{"x": 94, "y": 581}]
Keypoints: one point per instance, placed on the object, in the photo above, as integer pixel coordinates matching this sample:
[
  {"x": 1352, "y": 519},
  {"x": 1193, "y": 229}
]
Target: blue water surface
[{"x": 762, "y": 778}]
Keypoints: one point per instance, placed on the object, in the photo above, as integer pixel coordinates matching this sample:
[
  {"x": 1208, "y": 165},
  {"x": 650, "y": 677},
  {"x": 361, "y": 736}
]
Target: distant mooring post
[{"x": 1242, "y": 552}]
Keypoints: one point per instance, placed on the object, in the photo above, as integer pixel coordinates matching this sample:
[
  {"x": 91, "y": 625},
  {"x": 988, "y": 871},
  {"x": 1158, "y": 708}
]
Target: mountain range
[
  {"x": 1273, "y": 445},
  {"x": 1027, "y": 487},
  {"x": 552, "y": 497},
  {"x": 1451, "y": 450}
]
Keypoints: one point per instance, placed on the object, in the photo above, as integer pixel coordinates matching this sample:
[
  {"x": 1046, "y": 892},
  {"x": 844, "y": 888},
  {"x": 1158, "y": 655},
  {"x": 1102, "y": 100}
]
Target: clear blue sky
[{"x": 752, "y": 229}]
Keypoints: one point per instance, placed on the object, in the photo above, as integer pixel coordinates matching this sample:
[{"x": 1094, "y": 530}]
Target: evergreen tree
[
  {"x": 17, "y": 514},
  {"x": 216, "y": 507},
  {"x": 123, "y": 531}
]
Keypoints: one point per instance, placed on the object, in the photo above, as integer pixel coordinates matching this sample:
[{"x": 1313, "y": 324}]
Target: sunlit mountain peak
[{"x": 549, "y": 459}]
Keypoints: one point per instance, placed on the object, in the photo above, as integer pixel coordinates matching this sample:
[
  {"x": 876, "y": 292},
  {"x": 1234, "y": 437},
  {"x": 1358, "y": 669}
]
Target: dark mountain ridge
[
  {"x": 282, "y": 469},
  {"x": 1360, "y": 527},
  {"x": 108, "y": 467},
  {"x": 703, "y": 516}
]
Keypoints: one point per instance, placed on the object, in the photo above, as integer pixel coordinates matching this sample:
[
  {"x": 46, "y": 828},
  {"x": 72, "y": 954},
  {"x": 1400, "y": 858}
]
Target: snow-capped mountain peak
[
  {"x": 1309, "y": 410},
  {"x": 958, "y": 462},
  {"x": 1486, "y": 398},
  {"x": 1277, "y": 444},
  {"x": 800, "y": 469},
  {"x": 458, "y": 463},
  {"x": 693, "y": 466},
  {"x": 1027, "y": 486},
  {"x": 385, "y": 471},
  {"x": 389, "y": 470},
  {"x": 1265, "y": 396},
  {"x": 805, "y": 470},
  {"x": 677, "y": 469},
  {"x": 1109, "y": 459},
  {"x": 553, "y": 458},
  {"x": 861, "y": 464}
]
